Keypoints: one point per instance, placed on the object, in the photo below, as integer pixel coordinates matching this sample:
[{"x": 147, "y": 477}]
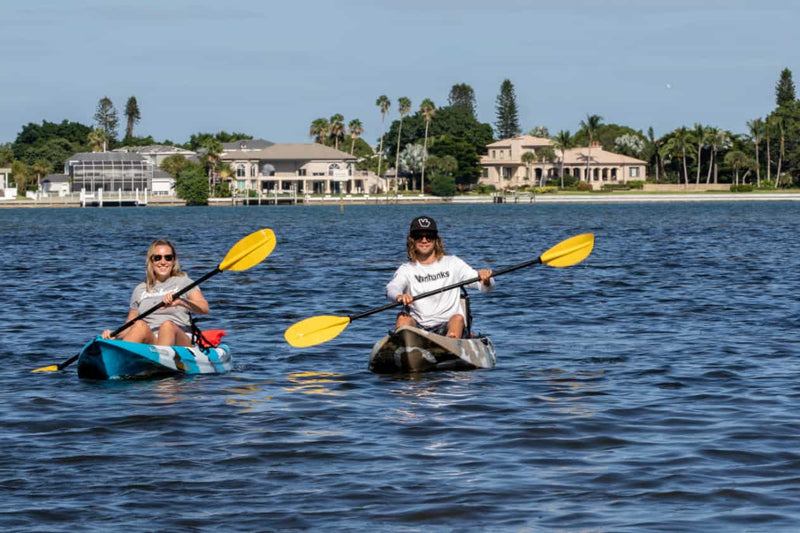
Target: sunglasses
[
  {"x": 156, "y": 258},
  {"x": 420, "y": 236}
]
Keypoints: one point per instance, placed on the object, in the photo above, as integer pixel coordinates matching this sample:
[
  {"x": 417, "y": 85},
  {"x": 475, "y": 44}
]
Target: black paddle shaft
[
  {"x": 447, "y": 288},
  {"x": 192, "y": 285}
]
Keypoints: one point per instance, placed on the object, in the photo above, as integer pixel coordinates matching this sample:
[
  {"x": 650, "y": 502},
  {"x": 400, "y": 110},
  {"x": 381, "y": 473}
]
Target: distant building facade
[
  {"x": 503, "y": 167},
  {"x": 8, "y": 192},
  {"x": 301, "y": 168}
]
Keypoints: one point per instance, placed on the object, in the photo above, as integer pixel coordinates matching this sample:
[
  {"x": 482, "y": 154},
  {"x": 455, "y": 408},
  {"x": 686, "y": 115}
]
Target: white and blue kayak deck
[{"x": 114, "y": 359}]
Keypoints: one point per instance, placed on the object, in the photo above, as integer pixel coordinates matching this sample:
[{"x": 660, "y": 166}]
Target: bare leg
[
  {"x": 404, "y": 319},
  {"x": 140, "y": 332},
  {"x": 455, "y": 326},
  {"x": 171, "y": 335}
]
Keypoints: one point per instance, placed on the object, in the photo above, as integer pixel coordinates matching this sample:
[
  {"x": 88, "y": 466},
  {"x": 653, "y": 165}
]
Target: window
[
  {"x": 634, "y": 172},
  {"x": 240, "y": 171}
]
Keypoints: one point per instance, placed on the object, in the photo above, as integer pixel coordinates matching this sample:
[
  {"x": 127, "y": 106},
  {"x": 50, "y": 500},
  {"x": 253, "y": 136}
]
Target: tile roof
[
  {"x": 246, "y": 144},
  {"x": 292, "y": 151}
]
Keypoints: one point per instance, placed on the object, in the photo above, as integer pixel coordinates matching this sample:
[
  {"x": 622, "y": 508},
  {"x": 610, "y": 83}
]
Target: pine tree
[
  {"x": 784, "y": 89},
  {"x": 106, "y": 117},
  {"x": 507, "y": 124},
  {"x": 133, "y": 114}
]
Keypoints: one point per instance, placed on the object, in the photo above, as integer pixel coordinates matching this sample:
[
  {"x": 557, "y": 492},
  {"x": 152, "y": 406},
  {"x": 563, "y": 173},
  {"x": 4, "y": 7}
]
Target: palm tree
[
  {"x": 98, "y": 140},
  {"x": 591, "y": 124},
  {"x": 678, "y": 144},
  {"x": 654, "y": 147},
  {"x": 720, "y": 139},
  {"x": 319, "y": 130},
  {"x": 780, "y": 126},
  {"x": 213, "y": 148},
  {"x": 40, "y": 167},
  {"x": 384, "y": 104},
  {"x": 529, "y": 158},
  {"x": 738, "y": 159},
  {"x": 428, "y": 109},
  {"x": 403, "y": 107},
  {"x": 546, "y": 155},
  {"x": 756, "y": 128},
  {"x": 563, "y": 142},
  {"x": 700, "y": 136},
  {"x": 336, "y": 129},
  {"x": 356, "y": 129}
]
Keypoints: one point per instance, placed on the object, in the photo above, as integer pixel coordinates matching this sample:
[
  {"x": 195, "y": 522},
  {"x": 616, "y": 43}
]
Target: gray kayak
[{"x": 411, "y": 349}]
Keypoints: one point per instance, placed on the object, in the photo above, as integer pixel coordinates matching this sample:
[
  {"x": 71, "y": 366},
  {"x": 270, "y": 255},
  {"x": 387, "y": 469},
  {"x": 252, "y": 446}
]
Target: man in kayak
[
  {"x": 428, "y": 269},
  {"x": 170, "y": 325}
]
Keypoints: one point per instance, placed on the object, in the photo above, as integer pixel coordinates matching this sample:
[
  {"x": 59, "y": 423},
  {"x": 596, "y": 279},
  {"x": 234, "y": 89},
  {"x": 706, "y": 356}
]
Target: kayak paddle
[
  {"x": 319, "y": 329},
  {"x": 245, "y": 254}
]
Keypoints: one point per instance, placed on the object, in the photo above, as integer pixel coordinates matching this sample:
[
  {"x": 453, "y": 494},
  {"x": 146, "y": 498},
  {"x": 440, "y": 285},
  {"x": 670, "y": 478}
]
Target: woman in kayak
[
  {"x": 430, "y": 269},
  {"x": 170, "y": 325}
]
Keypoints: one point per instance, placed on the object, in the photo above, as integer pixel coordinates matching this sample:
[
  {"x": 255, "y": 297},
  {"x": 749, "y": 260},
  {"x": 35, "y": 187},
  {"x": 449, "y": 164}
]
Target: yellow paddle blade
[
  {"x": 250, "y": 251},
  {"x": 51, "y": 368},
  {"x": 569, "y": 252},
  {"x": 315, "y": 330}
]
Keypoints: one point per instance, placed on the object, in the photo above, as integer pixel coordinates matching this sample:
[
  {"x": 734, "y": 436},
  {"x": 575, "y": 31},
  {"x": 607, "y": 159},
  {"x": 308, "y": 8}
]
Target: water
[{"x": 653, "y": 387}]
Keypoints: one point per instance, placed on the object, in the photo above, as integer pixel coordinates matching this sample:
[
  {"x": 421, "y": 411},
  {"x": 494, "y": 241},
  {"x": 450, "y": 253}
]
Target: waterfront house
[
  {"x": 116, "y": 171},
  {"x": 295, "y": 168},
  {"x": 504, "y": 168}
]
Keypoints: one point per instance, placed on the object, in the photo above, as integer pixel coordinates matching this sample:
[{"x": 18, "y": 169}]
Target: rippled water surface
[{"x": 653, "y": 387}]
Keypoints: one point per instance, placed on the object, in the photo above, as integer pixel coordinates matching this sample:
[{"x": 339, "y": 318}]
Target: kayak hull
[
  {"x": 113, "y": 359},
  {"x": 411, "y": 349}
]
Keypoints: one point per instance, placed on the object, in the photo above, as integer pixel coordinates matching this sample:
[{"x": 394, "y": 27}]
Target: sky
[{"x": 268, "y": 69}]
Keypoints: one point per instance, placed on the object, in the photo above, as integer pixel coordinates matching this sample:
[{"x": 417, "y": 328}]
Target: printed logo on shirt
[
  {"x": 160, "y": 293},
  {"x": 432, "y": 277}
]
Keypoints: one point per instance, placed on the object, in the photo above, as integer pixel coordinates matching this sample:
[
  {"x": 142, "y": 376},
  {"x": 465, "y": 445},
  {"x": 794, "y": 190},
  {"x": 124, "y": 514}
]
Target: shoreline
[{"x": 410, "y": 200}]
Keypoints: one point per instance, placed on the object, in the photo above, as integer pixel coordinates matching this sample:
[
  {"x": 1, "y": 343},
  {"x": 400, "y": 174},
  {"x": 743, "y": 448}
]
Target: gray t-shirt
[{"x": 142, "y": 300}]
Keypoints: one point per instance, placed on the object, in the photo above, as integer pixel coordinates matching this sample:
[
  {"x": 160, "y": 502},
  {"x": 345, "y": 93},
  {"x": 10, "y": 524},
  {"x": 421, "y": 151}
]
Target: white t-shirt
[{"x": 416, "y": 278}]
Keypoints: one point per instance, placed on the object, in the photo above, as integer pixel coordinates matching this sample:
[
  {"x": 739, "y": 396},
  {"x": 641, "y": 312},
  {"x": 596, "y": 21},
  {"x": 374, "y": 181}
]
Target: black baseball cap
[{"x": 423, "y": 224}]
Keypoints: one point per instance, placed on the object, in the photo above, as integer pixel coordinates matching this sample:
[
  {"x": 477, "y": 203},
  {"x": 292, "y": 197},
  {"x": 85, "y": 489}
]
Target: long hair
[
  {"x": 411, "y": 250},
  {"x": 176, "y": 266}
]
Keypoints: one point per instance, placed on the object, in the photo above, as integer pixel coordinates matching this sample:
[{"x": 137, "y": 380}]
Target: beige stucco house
[
  {"x": 300, "y": 168},
  {"x": 503, "y": 167}
]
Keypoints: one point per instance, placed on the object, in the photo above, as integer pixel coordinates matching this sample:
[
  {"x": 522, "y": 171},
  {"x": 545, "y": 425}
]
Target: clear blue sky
[{"x": 269, "y": 68}]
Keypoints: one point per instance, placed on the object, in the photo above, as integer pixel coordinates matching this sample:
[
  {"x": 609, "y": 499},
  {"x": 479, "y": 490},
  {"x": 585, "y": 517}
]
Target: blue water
[{"x": 653, "y": 387}]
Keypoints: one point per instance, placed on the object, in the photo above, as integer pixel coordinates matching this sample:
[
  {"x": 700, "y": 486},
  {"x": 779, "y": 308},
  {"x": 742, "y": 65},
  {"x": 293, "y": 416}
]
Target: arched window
[{"x": 240, "y": 173}]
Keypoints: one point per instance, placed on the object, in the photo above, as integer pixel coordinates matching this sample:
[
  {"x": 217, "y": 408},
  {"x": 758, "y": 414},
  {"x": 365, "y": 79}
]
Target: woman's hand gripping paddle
[
  {"x": 245, "y": 254},
  {"x": 319, "y": 329}
]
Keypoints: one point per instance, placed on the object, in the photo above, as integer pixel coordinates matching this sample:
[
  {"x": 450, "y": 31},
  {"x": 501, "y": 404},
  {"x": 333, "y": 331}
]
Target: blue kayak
[{"x": 112, "y": 359}]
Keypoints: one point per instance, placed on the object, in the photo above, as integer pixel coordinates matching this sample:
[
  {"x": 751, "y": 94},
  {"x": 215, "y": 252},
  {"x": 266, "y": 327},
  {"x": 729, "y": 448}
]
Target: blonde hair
[
  {"x": 411, "y": 250},
  {"x": 176, "y": 266}
]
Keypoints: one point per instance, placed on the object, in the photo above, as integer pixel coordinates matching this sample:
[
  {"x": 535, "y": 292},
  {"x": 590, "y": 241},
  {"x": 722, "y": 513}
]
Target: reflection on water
[{"x": 313, "y": 382}]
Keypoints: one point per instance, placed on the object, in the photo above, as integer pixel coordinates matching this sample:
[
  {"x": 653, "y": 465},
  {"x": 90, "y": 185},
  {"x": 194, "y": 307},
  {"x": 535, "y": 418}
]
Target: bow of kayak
[
  {"x": 114, "y": 359},
  {"x": 410, "y": 349}
]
